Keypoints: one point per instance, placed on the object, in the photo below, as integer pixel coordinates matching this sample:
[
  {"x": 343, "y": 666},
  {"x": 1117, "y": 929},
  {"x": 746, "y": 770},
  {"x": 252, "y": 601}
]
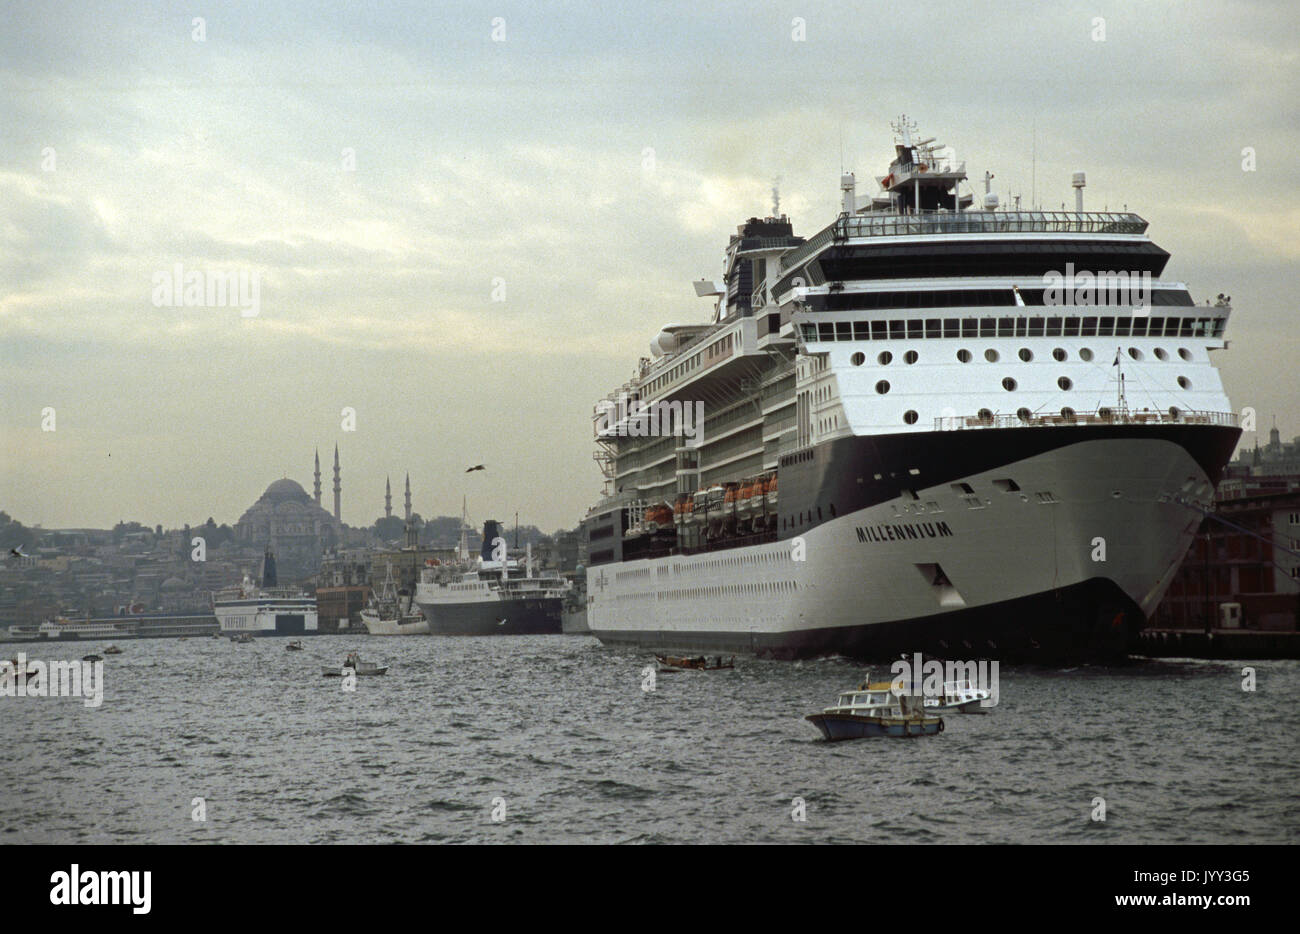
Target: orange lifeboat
[{"x": 746, "y": 490}]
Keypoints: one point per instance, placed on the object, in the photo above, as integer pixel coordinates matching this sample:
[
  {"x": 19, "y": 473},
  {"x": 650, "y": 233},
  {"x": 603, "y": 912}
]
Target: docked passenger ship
[
  {"x": 496, "y": 595},
  {"x": 933, "y": 426},
  {"x": 268, "y": 610}
]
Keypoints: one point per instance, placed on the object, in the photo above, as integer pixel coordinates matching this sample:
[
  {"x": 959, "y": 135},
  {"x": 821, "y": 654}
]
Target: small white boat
[
  {"x": 960, "y": 697},
  {"x": 354, "y": 664}
]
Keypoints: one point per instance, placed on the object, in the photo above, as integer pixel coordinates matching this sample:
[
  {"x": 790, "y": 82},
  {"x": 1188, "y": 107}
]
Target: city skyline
[{"x": 470, "y": 295}]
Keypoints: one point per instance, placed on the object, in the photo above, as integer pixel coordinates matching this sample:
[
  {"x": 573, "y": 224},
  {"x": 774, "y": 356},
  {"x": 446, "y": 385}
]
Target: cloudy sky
[{"x": 384, "y": 168}]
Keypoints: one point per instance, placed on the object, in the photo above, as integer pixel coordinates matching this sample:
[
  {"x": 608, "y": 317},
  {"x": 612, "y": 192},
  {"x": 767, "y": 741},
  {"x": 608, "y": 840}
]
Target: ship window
[
  {"x": 1184, "y": 382},
  {"x": 1173, "y": 412},
  {"x": 1139, "y": 326},
  {"x": 988, "y": 327},
  {"x": 1064, "y": 382},
  {"x": 952, "y": 327},
  {"x": 1026, "y": 354},
  {"x": 1135, "y": 353},
  {"x": 858, "y": 358},
  {"x": 1089, "y": 327},
  {"x": 1067, "y": 413},
  {"x": 910, "y": 357},
  {"x": 1156, "y": 327},
  {"x": 1071, "y": 327},
  {"x": 915, "y": 328},
  {"x": 910, "y": 416},
  {"x": 1024, "y": 415},
  {"x": 1059, "y": 355},
  {"x": 1085, "y": 355},
  {"x": 985, "y": 415},
  {"x": 1009, "y": 384},
  {"x": 1122, "y": 326},
  {"x": 1162, "y": 354},
  {"x": 885, "y": 358},
  {"x": 963, "y": 355},
  {"x": 1006, "y": 327},
  {"x": 933, "y": 327},
  {"x": 897, "y": 329},
  {"x": 1036, "y": 327},
  {"x": 1053, "y": 327},
  {"x": 861, "y": 331},
  {"x": 826, "y": 331},
  {"x": 843, "y": 331},
  {"x": 1184, "y": 353},
  {"x": 991, "y": 355},
  {"x": 878, "y": 330},
  {"x": 969, "y": 327},
  {"x": 882, "y": 387}
]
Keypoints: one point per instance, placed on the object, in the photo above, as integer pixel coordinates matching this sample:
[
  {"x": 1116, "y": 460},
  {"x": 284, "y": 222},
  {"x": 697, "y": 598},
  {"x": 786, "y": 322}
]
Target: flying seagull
[
  {"x": 476, "y": 467},
  {"x": 17, "y": 552}
]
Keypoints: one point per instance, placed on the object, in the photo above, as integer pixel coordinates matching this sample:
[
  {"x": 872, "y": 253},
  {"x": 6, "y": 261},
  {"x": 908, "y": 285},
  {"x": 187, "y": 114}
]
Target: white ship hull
[
  {"x": 1070, "y": 563},
  {"x": 406, "y": 626},
  {"x": 267, "y": 616}
]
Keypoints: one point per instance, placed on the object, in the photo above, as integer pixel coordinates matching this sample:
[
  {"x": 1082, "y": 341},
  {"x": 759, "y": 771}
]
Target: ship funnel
[
  {"x": 848, "y": 187},
  {"x": 1078, "y": 181},
  {"x": 491, "y": 530}
]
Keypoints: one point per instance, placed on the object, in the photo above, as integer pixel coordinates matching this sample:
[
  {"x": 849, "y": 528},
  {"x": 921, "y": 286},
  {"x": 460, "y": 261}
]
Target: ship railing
[
  {"x": 1138, "y": 417},
  {"x": 970, "y": 221}
]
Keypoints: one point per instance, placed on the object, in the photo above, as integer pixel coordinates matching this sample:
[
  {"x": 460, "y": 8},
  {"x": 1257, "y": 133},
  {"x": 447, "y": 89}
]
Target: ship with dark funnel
[{"x": 493, "y": 594}]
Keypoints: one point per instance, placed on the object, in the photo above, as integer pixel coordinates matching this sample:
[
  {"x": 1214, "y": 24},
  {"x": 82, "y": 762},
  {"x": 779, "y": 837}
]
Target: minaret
[
  {"x": 388, "y": 499},
  {"x": 318, "y": 476},
  {"x": 338, "y": 485},
  {"x": 408, "y": 497}
]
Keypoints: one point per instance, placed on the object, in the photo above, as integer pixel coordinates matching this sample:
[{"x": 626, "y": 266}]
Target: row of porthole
[
  {"x": 910, "y": 416},
  {"x": 1059, "y": 354},
  {"x": 1010, "y": 385}
]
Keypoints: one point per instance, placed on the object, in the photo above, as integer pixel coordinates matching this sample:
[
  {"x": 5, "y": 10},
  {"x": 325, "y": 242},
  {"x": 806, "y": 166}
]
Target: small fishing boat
[
  {"x": 242, "y": 638},
  {"x": 960, "y": 697},
  {"x": 294, "y": 646},
  {"x": 92, "y": 658},
  {"x": 357, "y": 666},
  {"x": 112, "y": 650},
  {"x": 694, "y": 663},
  {"x": 873, "y": 709}
]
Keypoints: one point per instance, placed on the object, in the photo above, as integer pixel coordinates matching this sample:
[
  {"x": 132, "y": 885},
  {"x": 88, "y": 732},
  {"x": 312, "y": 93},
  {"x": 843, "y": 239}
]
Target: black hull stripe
[
  {"x": 828, "y": 474},
  {"x": 1094, "y": 620}
]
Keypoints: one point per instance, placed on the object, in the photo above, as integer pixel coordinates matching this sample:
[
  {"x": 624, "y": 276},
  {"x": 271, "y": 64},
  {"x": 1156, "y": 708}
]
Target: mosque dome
[{"x": 285, "y": 491}]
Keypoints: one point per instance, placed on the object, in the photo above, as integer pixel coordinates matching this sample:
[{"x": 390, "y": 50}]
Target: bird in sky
[
  {"x": 17, "y": 552},
  {"x": 476, "y": 467}
]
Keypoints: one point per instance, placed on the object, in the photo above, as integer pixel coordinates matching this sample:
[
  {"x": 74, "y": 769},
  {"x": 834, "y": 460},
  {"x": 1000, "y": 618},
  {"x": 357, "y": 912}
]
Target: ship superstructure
[{"x": 931, "y": 426}]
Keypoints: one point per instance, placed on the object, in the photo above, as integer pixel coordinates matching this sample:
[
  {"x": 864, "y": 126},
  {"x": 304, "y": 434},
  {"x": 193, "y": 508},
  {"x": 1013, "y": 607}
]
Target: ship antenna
[{"x": 1033, "y": 171}]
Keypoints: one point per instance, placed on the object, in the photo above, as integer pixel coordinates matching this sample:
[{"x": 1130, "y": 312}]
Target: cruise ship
[
  {"x": 935, "y": 425},
  {"x": 496, "y": 595},
  {"x": 268, "y": 610}
]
